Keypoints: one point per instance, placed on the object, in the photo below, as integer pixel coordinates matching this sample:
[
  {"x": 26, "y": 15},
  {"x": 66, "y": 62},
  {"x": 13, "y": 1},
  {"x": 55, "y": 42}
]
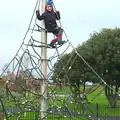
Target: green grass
[
  {"x": 89, "y": 109},
  {"x": 96, "y": 97},
  {"x": 34, "y": 116}
]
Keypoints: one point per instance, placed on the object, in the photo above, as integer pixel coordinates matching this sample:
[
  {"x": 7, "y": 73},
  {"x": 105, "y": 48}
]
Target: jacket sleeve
[
  {"x": 57, "y": 15},
  {"x": 39, "y": 17}
]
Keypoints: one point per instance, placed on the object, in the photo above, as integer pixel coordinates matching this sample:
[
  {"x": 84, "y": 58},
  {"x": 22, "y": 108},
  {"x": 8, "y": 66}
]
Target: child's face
[{"x": 49, "y": 8}]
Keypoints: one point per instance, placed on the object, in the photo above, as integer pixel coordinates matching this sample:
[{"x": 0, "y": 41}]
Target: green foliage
[
  {"x": 60, "y": 68},
  {"x": 102, "y": 52}
]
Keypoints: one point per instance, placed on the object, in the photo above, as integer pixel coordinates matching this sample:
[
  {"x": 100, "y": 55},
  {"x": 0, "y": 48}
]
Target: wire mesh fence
[{"x": 81, "y": 112}]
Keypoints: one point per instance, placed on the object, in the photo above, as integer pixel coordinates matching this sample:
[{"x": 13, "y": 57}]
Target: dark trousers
[{"x": 58, "y": 33}]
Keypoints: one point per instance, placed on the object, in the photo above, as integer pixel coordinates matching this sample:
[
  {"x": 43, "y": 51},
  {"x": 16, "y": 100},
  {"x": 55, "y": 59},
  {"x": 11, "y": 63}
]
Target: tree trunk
[{"x": 111, "y": 94}]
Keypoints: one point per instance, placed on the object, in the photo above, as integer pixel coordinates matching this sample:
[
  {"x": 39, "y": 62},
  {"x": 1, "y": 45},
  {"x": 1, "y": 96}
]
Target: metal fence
[{"x": 81, "y": 112}]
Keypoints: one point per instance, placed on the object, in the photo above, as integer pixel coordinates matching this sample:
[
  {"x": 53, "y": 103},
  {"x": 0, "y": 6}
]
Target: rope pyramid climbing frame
[{"x": 26, "y": 75}]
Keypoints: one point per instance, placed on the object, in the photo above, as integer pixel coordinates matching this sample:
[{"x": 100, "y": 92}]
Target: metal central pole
[{"x": 43, "y": 83}]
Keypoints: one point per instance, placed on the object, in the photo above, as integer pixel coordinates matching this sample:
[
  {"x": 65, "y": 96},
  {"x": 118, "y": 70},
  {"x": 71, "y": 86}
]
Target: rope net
[{"x": 23, "y": 79}]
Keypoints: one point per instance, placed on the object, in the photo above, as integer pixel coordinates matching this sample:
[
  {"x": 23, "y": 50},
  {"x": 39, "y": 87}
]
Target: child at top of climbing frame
[{"x": 50, "y": 16}]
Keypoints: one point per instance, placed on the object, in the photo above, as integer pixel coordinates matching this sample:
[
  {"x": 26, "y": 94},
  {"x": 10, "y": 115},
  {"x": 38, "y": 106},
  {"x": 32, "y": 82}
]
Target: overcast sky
[{"x": 79, "y": 18}]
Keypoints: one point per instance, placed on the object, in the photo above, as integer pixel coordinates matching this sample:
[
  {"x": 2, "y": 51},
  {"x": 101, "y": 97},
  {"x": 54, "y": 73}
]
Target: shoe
[
  {"x": 61, "y": 42},
  {"x": 52, "y": 45}
]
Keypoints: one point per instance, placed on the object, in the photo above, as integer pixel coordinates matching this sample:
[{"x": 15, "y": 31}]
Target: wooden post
[{"x": 44, "y": 85}]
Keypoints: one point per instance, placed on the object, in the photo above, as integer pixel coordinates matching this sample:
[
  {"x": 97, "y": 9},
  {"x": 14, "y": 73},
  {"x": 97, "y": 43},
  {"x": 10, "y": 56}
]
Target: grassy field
[
  {"x": 97, "y": 100},
  {"x": 35, "y": 116},
  {"x": 98, "y": 105}
]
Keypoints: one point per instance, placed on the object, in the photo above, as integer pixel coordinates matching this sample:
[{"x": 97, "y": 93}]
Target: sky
[{"x": 79, "y": 19}]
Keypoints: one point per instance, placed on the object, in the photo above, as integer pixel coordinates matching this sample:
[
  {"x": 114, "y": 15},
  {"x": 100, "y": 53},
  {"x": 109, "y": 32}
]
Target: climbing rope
[{"x": 34, "y": 72}]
